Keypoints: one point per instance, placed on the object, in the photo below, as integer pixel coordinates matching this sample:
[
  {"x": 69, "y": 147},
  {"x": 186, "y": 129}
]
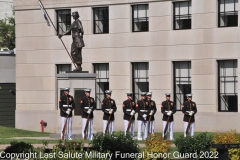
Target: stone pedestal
[{"x": 77, "y": 82}]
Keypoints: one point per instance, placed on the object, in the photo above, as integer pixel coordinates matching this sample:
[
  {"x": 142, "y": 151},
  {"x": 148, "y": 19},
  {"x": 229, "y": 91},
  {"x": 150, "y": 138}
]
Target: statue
[{"x": 78, "y": 43}]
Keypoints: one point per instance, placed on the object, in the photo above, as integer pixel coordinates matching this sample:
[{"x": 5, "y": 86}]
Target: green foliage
[
  {"x": 66, "y": 150},
  {"x": 196, "y": 144},
  {"x": 228, "y": 138},
  {"x": 7, "y": 32},
  {"x": 110, "y": 144},
  {"x": 19, "y": 147},
  {"x": 156, "y": 144}
]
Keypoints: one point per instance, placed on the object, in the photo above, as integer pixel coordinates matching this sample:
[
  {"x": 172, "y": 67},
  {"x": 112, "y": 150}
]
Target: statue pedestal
[{"x": 77, "y": 82}]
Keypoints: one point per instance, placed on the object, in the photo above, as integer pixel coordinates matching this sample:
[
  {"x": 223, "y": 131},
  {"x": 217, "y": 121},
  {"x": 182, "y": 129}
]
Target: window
[
  {"x": 182, "y": 15},
  {"x": 63, "y": 20},
  {"x": 101, "y": 20},
  {"x": 140, "y": 79},
  {"x": 228, "y": 13},
  {"x": 102, "y": 82},
  {"x": 62, "y": 68},
  {"x": 227, "y": 84},
  {"x": 140, "y": 18},
  {"x": 182, "y": 82}
]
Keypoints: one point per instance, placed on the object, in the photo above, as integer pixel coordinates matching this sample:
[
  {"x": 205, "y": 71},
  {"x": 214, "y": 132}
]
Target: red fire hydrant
[{"x": 43, "y": 125}]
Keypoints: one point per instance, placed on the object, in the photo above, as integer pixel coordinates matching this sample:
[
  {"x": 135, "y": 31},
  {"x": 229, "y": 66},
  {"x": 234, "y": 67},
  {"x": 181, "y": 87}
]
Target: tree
[{"x": 7, "y": 32}]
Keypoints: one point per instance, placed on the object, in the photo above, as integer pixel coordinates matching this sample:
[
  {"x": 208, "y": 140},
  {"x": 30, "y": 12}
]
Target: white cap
[
  {"x": 108, "y": 91},
  {"x": 167, "y": 94},
  {"x": 149, "y": 94},
  {"x": 87, "y": 90},
  {"x": 129, "y": 93},
  {"x": 66, "y": 89},
  {"x": 189, "y": 95}
]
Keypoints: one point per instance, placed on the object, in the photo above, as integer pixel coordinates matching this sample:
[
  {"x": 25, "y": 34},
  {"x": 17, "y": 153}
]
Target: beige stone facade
[{"x": 39, "y": 50}]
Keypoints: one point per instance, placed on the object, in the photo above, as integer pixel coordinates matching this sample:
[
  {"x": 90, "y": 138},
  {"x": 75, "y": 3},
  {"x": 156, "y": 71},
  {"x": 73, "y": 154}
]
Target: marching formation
[{"x": 145, "y": 108}]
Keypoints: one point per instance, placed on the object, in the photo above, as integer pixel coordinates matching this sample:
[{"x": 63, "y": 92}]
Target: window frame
[
  {"x": 147, "y": 18},
  {"x": 174, "y": 16},
  {"x": 133, "y": 80},
  {"x": 67, "y": 22},
  {"x": 219, "y": 85},
  {"x": 94, "y": 20},
  {"x": 174, "y": 83},
  {"x": 219, "y": 13},
  {"x": 98, "y": 93}
]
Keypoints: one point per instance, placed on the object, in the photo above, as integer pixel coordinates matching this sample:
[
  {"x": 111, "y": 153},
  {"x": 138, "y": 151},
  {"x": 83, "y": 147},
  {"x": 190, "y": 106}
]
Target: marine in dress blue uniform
[
  {"x": 88, "y": 105},
  {"x": 129, "y": 108},
  {"x": 66, "y": 105},
  {"x": 109, "y": 108},
  {"x": 168, "y": 109},
  {"x": 189, "y": 109}
]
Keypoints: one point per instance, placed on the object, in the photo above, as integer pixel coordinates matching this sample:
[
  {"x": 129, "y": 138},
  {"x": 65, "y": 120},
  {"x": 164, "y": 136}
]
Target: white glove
[
  {"x": 144, "y": 116},
  {"x": 151, "y": 113},
  {"x": 190, "y": 114},
  {"x": 169, "y": 113},
  {"x": 110, "y": 111},
  {"x": 69, "y": 109},
  {"x": 89, "y": 111},
  {"x": 68, "y": 112},
  {"x": 132, "y": 113}
]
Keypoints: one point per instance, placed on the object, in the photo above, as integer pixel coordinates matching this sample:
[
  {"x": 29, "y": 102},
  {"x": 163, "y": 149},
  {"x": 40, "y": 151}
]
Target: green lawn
[
  {"x": 7, "y": 135},
  {"x": 9, "y": 132}
]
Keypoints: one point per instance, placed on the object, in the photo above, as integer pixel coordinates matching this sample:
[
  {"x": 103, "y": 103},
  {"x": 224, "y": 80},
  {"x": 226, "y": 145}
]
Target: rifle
[
  {"x": 107, "y": 127},
  {"x": 86, "y": 128},
  {"x": 166, "y": 128},
  {"x": 64, "y": 128},
  {"x": 129, "y": 124},
  {"x": 189, "y": 121},
  {"x": 149, "y": 124}
]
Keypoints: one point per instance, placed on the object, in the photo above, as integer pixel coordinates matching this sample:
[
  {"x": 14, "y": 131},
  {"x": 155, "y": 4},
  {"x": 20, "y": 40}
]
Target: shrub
[
  {"x": 108, "y": 143},
  {"x": 19, "y": 147},
  {"x": 156, "y": 144},
  {"x": 228, "y": 138},
  {"x": 195, "y": 145}
]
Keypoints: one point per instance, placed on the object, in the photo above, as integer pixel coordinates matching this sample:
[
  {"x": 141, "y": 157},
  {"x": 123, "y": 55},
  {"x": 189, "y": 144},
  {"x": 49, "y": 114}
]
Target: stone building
[{"x": 152, "y": 45}]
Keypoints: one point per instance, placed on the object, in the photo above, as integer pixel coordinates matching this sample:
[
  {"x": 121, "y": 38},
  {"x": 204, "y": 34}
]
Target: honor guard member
[
  {"x": 129, "y": 107},
  {"x": 143, "y": 112},
  {"x": 108, "y": 108},
  {"x": 153, "y": 110},
  {"x": 87, "y": 105},
  {"x": 168, "y": 109},
  {"x": 189, "y": 109},
  {"x": 66, "y": 105}
]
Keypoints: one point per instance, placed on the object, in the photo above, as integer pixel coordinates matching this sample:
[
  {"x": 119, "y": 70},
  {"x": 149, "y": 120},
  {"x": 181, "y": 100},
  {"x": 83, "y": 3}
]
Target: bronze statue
[{"x": 78, "y": 43}]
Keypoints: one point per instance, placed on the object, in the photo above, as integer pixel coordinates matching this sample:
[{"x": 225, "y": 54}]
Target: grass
[
  {"x": 7, "y": 135},
  {"x": 10, "y": 132}
]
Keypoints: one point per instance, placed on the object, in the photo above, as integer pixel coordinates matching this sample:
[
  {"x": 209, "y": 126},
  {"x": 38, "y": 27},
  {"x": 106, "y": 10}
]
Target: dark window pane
[
  {"x": 182, "y": 15},
  {"x": 140, "y": 79},
  {"x": 140, "y": 18},
  {"x": 63, "y": 20},
  {"x": 101, "y": 20},
  {"x": 182, "y": 82},
  {"x": 227, "y": 84},
  {"x": 102, "y": 82},
  {"x": 228, "y": 13}
]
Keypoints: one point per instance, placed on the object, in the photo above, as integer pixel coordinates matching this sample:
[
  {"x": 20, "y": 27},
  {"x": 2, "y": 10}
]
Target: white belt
[
  {"x": 143, "y": 110},
  {"x": 128, "y": 110},
  {"x": 107, "y": 109},
  {"x": 86, "y": 107},
  {"x": 67, "y": 105}
]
